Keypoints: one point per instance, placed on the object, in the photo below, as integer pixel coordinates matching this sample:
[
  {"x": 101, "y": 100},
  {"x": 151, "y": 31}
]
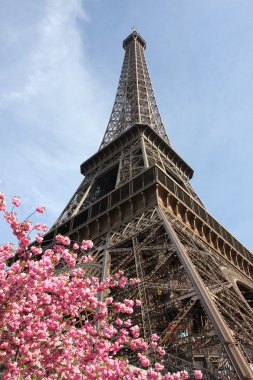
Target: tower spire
[{"x": 135, "y": 101}]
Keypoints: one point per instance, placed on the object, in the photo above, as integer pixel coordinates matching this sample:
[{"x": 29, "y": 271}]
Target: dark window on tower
[
  {"x": 103, "y": 185},
  {"x": 247, "y": 293}
]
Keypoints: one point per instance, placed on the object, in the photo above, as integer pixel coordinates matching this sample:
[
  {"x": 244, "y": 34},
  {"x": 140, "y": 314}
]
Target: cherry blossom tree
[{"x": 57, "y": 325}]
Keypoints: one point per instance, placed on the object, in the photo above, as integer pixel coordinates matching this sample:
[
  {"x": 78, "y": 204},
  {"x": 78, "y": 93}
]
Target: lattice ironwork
[
  {"x": 230, "y": 314},
  {"x": 171, "y": 304},
  {"x": 154, "y": 156},
  {"x": 233, "y": 307},
  {"x": 135, "y": 101},
  {"x": 142, "y": 248}
]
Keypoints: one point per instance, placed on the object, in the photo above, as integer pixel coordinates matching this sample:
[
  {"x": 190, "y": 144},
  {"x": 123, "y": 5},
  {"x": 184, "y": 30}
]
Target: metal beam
[{"x": 235, "y": 355}]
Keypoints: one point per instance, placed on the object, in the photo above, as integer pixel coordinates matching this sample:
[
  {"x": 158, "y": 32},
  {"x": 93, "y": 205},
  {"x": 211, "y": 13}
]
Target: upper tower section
[{"x": 135, "y": 101}]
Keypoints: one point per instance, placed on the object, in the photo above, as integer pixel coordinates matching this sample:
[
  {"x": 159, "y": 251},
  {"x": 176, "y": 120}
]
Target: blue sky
[{"x": 60, "y": 65}]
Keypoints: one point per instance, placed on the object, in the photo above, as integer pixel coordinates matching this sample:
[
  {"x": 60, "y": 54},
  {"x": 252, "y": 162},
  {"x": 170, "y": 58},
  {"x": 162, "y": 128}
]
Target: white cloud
[{"x": 45, "y": 85}]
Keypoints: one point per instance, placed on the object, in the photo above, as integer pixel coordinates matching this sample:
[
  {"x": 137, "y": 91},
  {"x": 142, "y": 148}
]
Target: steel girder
[{"x": 218, "y": 340}]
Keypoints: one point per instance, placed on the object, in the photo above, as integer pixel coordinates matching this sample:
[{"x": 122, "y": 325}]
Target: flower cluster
[
  {"x": 40, "y": 209},
  {"x": 2, "y": 202},
  {"x": 57, "y": 326},
  {"x": 16, "y": 201}
]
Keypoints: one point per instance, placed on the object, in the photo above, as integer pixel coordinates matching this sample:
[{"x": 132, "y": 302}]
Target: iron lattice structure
[
  {"x": 135, "y": 101},
  {"x": 137, "y": 205}
]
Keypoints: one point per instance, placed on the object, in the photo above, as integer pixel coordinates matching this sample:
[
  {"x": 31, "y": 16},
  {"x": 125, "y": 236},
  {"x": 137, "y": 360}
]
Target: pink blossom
[
  {"x": 134, "y": 281},
  {"x": 109, "y": 300},
  {"x": 167, "y": 376},
  {"x": 40, "y": 209},
  {"x": 86, "y": 244},
  {"x": 154, "y": 337},
  {"x": 176, "y": 376},
  {"x": 160, "y": 351},
  {"x": 38, "y": 226},
  {"x": 159, "y": 367},
  {"x": 39, "y": 238},
  {"x": 2, "y": 202},
  {"x": 16, "y": 201},
  {"x": 55, "y": 321},
  {"x": 138, "y": 344},
  {"x": 145, "y": 362},
  {"x": 135, "y": 330},
  {"x": 122, "y": 282},
  {"x": 87, "y": 259},
  {"x": 198, "y": 374},
  {"x": 129, "y": 303},
  {"x": 44, "y": 228},
  {"x": 27, "y": 226},
  {"x": 118, "y": 321},
  {"x": 36, "y": 250},
  {"x": 153, "y": 374},
  {"x": 128, "y": 323},
  {"x": 137, "y": 303},
  {"x": 64, "y": 240}
]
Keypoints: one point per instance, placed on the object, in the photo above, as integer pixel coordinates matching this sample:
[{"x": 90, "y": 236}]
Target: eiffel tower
[{"x": 137, "y": 205}]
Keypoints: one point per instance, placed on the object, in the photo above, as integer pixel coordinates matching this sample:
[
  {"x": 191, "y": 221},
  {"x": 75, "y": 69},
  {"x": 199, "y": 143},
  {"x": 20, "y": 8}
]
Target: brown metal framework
[
  {"x": 137, "y": 205},
  {"x": 135, "y": 101}
]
